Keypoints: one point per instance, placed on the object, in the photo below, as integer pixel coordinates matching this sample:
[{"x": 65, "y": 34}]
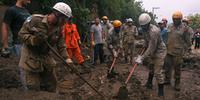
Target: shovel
[{"x": 123, "y": 91}]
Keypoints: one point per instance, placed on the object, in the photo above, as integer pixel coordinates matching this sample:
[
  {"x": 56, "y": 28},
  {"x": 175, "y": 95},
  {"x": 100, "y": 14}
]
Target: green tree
[{"x": 194, "y": 21}]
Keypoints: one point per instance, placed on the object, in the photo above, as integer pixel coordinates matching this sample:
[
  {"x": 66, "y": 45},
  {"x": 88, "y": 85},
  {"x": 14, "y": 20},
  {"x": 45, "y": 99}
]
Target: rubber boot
[
  {"x": 177, "y": 85},
  {"x": 160, "y": 90},
  {"x": 149, "y": 84}
]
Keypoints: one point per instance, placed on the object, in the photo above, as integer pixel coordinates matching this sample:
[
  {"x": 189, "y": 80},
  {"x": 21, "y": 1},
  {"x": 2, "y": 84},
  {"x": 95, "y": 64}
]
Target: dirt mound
[{"x": 10, "y": 86}]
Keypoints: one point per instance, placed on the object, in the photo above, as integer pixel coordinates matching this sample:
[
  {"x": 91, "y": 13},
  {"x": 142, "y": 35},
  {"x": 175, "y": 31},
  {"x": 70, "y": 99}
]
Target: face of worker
[
  {"x": 25, "y": 2},
  {"x": 97, "y": 21},
  {"x": 104, "y": 21},
  {"x": 117, "y": 29},
  {"x": 161, "y": 25},
  {"x": 130, "y": 23},
  {"x": 176, "y": 21},
  {"x": 59, "y": 19},
  {"x": 145, "y": 27}
]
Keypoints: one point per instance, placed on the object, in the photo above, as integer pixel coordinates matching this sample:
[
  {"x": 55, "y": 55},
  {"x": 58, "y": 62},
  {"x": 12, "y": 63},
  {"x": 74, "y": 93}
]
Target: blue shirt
[{"x": 163, "y": 34}]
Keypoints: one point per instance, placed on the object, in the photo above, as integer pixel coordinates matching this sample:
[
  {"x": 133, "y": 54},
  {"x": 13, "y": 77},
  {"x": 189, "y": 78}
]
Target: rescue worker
[
  {"x": 72, "y": 40},
  {"x": 97, "y": 41},
  {"x": 155, "y": 50},
  {"x": 178, "y": 42},
  {"x": 197, "y": 39},
  {"x": 163, "y": 31},
  {"x": 106, "y": 28},
  {"x": 187, "y": 22},
  {"x": 13, "y": 20},
  {"x": 129, "y": 32},
  {"x": 165, "y": 21},
  {"x": 114, "y": 39},
  {"x": 36, "y": 59}
]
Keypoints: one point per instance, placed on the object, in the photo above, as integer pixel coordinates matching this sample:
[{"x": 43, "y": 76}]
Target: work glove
[
  {"x": 139, "y": 59},
  {"x": 79, "y": 42},
  {"x": 5, "y": 52},
  {"x": 115, "y": 54},
  {"x": 110, "y": 46},
  {"x": 69, "y": 61}
]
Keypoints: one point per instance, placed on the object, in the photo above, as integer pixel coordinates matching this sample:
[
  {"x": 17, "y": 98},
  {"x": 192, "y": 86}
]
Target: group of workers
[{"x": 164, "y": 46}]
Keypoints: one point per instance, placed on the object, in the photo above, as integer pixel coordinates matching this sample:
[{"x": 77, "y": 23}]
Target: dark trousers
[
  {"x": 197, "y": 43},
  {"x": 98, "y": 53}
]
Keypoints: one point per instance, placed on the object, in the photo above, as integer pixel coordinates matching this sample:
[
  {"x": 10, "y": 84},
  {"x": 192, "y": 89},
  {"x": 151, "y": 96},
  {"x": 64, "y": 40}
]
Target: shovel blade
[{"x": 122, "y": 93}]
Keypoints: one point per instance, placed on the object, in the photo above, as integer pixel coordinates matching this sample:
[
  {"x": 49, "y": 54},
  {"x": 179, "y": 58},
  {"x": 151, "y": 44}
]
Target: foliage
[
  {"x": 194, "y": 21},
  {"x": 87, "y": 10}
]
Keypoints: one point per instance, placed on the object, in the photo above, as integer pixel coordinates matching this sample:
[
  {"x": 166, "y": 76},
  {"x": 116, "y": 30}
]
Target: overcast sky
[{"x": 167, "y": 7}]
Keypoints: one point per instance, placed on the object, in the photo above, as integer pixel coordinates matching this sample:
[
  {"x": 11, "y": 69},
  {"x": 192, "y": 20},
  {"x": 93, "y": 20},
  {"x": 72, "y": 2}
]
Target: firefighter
[
  {"x": 72, "y": 40},
  {"x": 155, "y": 50},
  {"x": 129, "y": 32},
  {"x": 178, "y": 43},
  {"x": 36, "y": 59},
  {"x": 114, "y": 39}
]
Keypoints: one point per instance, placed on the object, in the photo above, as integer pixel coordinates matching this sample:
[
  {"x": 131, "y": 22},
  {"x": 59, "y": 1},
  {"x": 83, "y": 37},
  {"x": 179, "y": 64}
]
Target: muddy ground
[{"x": 11, "y": 88}]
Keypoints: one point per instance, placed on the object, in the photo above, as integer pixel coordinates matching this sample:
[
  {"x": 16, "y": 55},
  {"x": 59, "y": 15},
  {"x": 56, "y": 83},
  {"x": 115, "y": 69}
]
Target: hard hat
[
  {"x": 177, "y": 15},
  {"x": 63, "y": 8},
  {"x": 144, "y": 19},
  {"x": 117, "y": 23},
  {"x": 161, "y": 22},
  {"x": 105, "y": 17},
  {"x": 129, "y": 20}
]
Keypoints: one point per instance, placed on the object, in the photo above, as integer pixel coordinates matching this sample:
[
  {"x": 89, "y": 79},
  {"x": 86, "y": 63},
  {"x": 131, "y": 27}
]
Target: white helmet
[
  {"x": 129, "y": 20},
  {"x": 144, "y": 19},
  {"x": 63, "y": 8}
]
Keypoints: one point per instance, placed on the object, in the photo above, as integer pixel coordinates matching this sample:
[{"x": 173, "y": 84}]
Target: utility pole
[{"x": 153, "y": 9}]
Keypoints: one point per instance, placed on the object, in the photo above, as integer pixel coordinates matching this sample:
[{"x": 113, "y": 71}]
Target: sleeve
[
  {"x": 61, "y": 47},
  {"x": 92, "y": 29},
  {"x": 187, "y": 38},
  {"x": 31, "y": 30},
  {"x": 25, "y": 33},
  {"x": 152, "y": 45},
  {"x": 76, "y": 32},
  {"x": 9, "y": 16},
  {"x": 136, "y": 31}
]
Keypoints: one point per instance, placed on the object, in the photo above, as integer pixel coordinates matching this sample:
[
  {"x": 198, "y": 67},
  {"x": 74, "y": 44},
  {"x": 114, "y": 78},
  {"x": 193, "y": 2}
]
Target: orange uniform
[{"x": 71, "y": 39}]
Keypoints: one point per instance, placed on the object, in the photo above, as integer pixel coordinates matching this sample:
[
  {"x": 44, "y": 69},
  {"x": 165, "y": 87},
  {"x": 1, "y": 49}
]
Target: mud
[{"x": 11, "y": 88}]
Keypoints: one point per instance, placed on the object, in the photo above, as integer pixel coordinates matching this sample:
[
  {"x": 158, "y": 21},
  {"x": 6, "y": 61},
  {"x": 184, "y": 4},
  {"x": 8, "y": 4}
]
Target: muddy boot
[
  {"x": 149, "y": 84},
  {"x": 160, "y": 90},
  {"x": 177, "y": 85}
]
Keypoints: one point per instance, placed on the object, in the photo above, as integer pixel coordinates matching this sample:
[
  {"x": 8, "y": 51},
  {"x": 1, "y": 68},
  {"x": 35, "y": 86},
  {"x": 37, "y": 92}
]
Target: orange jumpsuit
[{"x": 71, "y": 39}]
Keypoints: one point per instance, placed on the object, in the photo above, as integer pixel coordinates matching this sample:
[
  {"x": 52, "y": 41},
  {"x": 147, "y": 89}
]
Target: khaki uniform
[
  {"x": 178, "y": 42},
  {"x": 156, "y": 51},
  {"x": 128, "y": 35},
  {"x": 36, "y": 60},
  {"x": 114, "y": 41}
]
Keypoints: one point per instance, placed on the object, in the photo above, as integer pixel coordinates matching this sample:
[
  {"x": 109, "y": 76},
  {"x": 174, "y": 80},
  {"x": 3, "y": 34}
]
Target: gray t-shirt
[{"x": 97, "y": 30}]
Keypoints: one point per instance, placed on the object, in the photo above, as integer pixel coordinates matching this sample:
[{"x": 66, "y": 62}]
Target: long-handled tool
[
  {"x": 133, "y": 69},
  {"x": 113, "y": 63},
  {"x": 72, "y": 68},
  {"x": 123, "y": 91}
]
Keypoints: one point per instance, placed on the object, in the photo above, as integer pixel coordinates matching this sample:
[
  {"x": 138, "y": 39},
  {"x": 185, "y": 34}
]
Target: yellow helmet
[
  {"x": 117, "y": 23},
  {"x": 177, "y": 15},
  {"x": 105, "y": 17}
]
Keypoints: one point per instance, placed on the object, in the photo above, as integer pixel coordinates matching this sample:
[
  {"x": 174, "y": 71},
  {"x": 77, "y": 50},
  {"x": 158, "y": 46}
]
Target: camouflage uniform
[
  {"x": 106, "y": 28},
  {"x": 114, "y": 41},
  {"x": 36, "y": 61},
  {"x": 156, "y": 52},
  {"x": 128, "y": 34},
  {"x": 178, "y": 42}
]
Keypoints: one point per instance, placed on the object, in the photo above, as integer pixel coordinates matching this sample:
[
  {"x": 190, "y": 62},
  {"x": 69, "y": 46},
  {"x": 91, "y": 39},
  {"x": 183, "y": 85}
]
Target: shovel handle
[
  {"x": 131, "y": 73},
  {"x": 112, "y": 65}
]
